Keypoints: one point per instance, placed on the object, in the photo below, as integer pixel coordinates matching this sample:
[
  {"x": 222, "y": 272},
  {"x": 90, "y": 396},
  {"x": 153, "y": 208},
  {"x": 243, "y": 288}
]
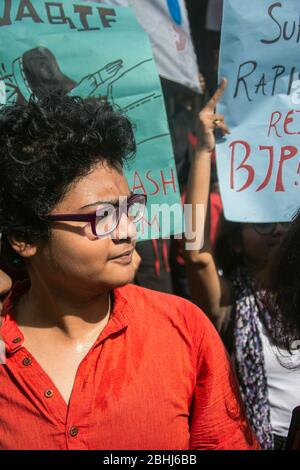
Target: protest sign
[
  {"x": 166, "y": 22},
  {"x": 259, "y": 163},
  {"x": 88, "y": 49}
]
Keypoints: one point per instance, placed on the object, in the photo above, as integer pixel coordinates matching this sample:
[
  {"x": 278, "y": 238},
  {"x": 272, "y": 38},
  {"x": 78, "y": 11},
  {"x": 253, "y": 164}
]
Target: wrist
[{"x": 203, "y": 151}]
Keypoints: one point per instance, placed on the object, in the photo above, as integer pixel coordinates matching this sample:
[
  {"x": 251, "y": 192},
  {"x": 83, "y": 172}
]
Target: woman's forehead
[{"x": 102, "y": 183}]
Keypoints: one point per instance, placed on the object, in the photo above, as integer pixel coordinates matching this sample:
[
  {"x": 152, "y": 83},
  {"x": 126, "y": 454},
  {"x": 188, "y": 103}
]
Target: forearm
[
  {"x": 197, "y": 198},
  {"x": 205, "y": 283}
]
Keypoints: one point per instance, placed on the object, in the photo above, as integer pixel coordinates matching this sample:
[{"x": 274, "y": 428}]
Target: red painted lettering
[
  {"x": 276, "y": 115},
  {"x": 242, "y": 166},
  {"x": 165, "y": 182},
  {"x": 287, "y": 153},
  {"x": 156, "y": 185}
]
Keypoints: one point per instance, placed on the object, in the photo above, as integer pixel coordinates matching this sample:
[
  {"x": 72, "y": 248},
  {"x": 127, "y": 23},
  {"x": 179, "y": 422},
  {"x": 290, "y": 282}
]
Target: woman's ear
[{"x": 24, "y": 249}]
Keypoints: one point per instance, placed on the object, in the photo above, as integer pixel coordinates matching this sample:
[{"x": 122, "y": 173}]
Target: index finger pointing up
[{"x": 212, "y": 103}]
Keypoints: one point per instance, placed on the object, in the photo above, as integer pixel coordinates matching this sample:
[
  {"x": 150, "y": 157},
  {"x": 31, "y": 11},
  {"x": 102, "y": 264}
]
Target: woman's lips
[
  {"x": 124, "y": 258},
  {"x": 274, "y": 243}
]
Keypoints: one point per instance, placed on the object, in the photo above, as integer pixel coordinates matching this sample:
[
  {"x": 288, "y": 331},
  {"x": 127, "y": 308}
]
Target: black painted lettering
[
  {"x": 261, "y": 85},
  {"x": 285, "y": 34},
  {"x": 104, "y": 13},
  {"x": 26, "y": 10},
  {"x": 5, "y": 19},
  {"x": 241, "y": 79},
  {"x": 270, "y": 12},
  {"x": 56, "y": 14},
  {"x": 279, "y": 71},
  {"x": 84, "y": 11},
  {"x": 292, "y": 79}
]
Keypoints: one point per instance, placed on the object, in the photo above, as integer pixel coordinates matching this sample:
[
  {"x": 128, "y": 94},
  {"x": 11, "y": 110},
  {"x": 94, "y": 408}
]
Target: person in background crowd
[
  {"x": 154, "y": 270},
  {"x": 205, "y": 18},
  {"x": 93, "y": 362},
  {"x": 162, "y": 266},
  {"x": 229, "y": 288},
  {"x": 285, "y": 293},
  {"x": 182, "y": 106},
  {"x": 216, "y": 207},
  {"x": 285, "y": 281}
]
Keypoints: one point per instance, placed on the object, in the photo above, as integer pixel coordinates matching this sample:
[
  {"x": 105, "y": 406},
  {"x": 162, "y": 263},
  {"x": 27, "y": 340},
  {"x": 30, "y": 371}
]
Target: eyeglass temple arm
[
  {"x": 71, "y": 217},
  {"x": 87, "y": 217}
]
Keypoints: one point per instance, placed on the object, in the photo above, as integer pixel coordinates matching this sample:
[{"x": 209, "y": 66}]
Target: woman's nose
[
  {"x": 125, "y": 229},
  {"x": 279, "y": 231}
]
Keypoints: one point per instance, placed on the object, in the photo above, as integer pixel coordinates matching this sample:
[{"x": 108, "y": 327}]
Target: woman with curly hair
[{"x": 92, "y": 361}]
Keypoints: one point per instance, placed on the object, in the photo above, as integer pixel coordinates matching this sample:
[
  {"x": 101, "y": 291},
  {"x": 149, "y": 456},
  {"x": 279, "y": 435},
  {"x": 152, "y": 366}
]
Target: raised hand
[
  {"x": 209, "y": 121},
  {"x": 110, "y": 70},
  {"x": 89, "y": 84}
]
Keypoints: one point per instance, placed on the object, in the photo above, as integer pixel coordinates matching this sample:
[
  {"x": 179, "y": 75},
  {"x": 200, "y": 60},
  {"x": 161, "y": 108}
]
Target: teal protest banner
[
  {"x": 91, "y": 49},
  {"x": 259, "y": 163}
]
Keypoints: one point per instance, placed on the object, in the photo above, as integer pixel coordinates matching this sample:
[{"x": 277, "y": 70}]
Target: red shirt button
[
  {"x": 73, "y": 431},
  {"x": 17, "y": 340},
  {"x": 48, "y": 393},
  {"x": 26, "y": 361}
]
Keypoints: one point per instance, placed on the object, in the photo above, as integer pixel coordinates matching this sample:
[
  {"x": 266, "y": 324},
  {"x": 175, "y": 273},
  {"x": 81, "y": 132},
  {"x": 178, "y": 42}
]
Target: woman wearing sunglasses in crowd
[
  {"x": 92, "y": 361},
  {"x": 227, "y": 282},
  {"x": 285, "y": 278},
  {"x": 285, "y": 293}
]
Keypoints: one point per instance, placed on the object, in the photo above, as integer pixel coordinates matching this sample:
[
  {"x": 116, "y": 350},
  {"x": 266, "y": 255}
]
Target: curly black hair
[{"x": 46, "y": 145}]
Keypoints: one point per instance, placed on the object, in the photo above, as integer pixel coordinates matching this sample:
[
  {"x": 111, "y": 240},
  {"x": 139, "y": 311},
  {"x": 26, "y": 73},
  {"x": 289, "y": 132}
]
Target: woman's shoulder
[{"x": 166, "y": 308}]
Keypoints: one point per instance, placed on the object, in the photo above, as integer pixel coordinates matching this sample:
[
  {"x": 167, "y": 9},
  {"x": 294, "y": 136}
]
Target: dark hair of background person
[
  {"x": 45, "y": 146},
  {"x": 229, "y": 235},
  {"x": 285, "y": 278},
  {"x": 206, "y": 43},
  {"x": 281, "y": 283}
]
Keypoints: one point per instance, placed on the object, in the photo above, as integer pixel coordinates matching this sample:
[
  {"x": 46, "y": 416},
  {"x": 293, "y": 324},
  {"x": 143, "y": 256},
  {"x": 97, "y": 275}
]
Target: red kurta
[{"x": 157, "y": 378}]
